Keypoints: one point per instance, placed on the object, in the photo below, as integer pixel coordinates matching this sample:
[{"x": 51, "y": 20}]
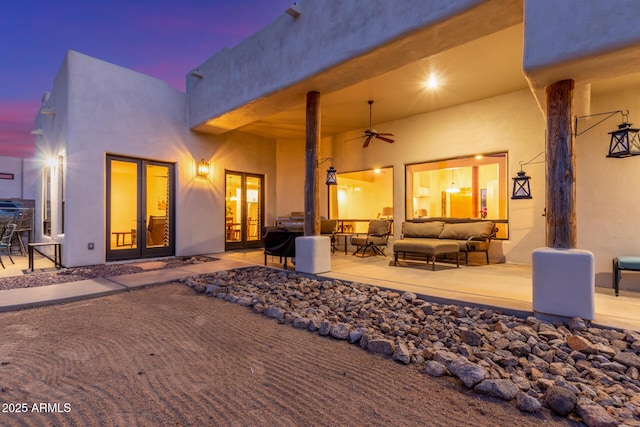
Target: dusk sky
[{"x": 161, "y": 38}]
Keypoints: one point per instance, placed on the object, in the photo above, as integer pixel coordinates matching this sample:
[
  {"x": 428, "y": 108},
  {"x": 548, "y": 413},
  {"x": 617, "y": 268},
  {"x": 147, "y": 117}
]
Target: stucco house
[{"x": 138, "y": 169}]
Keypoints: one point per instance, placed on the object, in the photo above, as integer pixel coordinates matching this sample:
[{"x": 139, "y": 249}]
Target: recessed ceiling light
[
  {"x": 479, "y": 156},
  {"x": 431, "y": 82}
]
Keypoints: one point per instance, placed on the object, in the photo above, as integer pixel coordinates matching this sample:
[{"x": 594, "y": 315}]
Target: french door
[
  {"x": 140, "y": 208},
  {"x": 244, "y": 203}
]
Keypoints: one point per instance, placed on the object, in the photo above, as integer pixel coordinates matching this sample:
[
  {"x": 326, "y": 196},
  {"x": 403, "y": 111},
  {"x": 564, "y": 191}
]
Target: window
[
  {"x": 466, "y": 187},
  {"x": 361, "y": 196}
]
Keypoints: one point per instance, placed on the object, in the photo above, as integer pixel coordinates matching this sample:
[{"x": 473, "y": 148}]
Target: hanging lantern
[
  {"x": 521, "y": 188},
  {"x": 624, "y": 141},
  {"x": 332, "y": 178}
]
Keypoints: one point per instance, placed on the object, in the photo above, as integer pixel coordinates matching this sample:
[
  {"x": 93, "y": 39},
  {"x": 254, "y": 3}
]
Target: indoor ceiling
[{"x": 483, "y": 68}]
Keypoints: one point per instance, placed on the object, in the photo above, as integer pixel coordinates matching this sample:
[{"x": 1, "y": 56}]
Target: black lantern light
[
  {"x": 332, "y": 173},
  {"x": 624, "y": 141},
  {"x": 521, "y": 187},
  {"x": 331, "y": 176}
]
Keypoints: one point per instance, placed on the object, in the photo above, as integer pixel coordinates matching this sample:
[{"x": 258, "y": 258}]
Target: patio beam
[
  {"x": 312, "y": 141},
  {"x": 560, "y": 156}
]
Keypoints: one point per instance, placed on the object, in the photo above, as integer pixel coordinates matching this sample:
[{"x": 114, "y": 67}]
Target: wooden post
[
  {"x": 311, "y": 193},
  {"x": 560, "y": 156}
]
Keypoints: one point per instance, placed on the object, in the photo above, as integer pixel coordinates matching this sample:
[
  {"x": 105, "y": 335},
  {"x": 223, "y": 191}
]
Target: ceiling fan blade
[
  {"x": 386, "y": 134},
  {"x": 389, "y": 140},
  {"x": 367, "y": 141},
  {"x": 353, "y": 139}
]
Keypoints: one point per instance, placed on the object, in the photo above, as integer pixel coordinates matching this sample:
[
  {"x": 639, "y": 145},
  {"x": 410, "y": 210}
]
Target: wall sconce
[
  {"x": 202, "y": 169},
  {"x": 625, "y": 140},
  {"x": 332, "y": 178},
  {"x": 521, "y": 187},
  {"x": 421, "y": 213}
]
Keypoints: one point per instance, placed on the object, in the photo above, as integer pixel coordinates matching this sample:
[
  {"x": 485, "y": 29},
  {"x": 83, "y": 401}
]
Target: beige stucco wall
[
  {"x": 105, "y": 109},
  {"x": 608, "y": 195}
]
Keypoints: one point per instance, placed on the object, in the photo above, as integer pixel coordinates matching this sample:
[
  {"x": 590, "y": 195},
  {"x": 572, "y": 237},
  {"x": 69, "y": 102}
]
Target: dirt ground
[{"x": 166, "y": 356}]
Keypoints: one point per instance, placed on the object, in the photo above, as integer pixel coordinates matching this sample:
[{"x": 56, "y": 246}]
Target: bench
[
  {"x": 630, "y": 263},
  {"x": 440, "y": 237},
  {"x": 37, "y": 247}
]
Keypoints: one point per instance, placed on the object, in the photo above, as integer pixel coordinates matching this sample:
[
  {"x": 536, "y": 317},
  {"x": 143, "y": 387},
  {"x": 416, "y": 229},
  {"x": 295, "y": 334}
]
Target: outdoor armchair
[{"x": 376, "y": 238}]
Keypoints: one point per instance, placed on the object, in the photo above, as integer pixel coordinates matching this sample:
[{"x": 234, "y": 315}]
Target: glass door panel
[
  {"x": 253, "y": 208},
  {"x": 139, "y": 209},
  {"x": 244, "y": 217},
  {"x": 157, "y": 206},
  {"x": 123, "y": 206}
]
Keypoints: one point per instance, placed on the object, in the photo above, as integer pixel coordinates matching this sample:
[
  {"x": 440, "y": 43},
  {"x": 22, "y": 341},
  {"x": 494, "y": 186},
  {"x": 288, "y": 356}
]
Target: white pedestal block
[
  {"x": 563, "y": 283},
  {"x": 313, "y": 254}
]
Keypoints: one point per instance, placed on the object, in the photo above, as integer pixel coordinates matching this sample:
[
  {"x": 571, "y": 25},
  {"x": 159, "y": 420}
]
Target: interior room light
[{"x": 453, "y": 188}]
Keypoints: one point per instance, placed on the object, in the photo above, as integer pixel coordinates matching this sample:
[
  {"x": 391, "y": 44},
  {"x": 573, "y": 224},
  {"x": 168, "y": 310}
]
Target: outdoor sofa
[{"x": 444, "y": 236}]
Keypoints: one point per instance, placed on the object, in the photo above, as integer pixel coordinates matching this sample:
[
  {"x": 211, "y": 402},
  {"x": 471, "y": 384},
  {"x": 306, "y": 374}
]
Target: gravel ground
[{"x": 91, "y": 271}]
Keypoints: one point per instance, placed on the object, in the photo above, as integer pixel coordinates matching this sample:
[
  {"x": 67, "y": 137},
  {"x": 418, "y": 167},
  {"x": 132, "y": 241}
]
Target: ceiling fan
[{"x": 371, "y": 133}]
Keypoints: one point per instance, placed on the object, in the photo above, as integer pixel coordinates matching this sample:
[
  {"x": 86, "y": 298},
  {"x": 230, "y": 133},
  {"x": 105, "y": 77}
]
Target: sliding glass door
[{"x": 140, "y": 214}]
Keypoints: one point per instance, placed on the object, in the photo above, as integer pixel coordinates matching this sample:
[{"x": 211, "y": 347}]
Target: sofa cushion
[
  {"x": 431, "y": 229},
  {"x": 462, "y": 231}
]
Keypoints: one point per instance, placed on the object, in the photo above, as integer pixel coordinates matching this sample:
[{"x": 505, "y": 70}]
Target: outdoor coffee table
[{"x": 430, "y": 248}]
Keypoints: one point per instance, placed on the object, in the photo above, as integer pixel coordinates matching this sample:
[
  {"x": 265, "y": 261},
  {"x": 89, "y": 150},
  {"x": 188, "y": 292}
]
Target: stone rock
[
  {"x": 527, "y": 403},
  {"x": 594, "y": 415},
  {"x": 560, "y": 400},
  {"x": 355, "y": 335},
  {"x": 340, "y": 331},
  {"x": 578, "y": 343},
  {"x": 470, "y": 337},
  {"x": 577, "y": 324},
  {"x": 435, "y": 369},
  {"x": 501, "y": 388},
  {"x": 381, "y": 346},
  {"x": 402, "y": 354},
  {"x": 469, "y": 373},
  {"x": 274, "y": 313},
  {"x": 409, "y": 296},
  {"x": 301, "y": 323},
  {"x": 629, "y": 359},
  {"x": 325, "y": 328}
]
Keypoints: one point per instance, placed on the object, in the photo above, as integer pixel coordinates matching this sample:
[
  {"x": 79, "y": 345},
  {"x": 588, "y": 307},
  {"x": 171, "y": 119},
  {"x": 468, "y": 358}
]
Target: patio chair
[
  {"x": 376, "y": 238},
  {"x": 329, "y": 227},
  {"x": 5, "y": 241},
  {"x": 24, "y": 221}
]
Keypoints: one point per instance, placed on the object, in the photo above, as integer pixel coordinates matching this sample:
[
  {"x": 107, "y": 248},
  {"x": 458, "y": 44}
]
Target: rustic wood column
[
  {"x": 560, "y": 155},
  {"x": 311, "y": 193}
]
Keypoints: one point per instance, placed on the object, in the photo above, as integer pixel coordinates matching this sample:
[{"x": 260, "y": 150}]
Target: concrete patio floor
[{"x": 503, "y": 286}]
